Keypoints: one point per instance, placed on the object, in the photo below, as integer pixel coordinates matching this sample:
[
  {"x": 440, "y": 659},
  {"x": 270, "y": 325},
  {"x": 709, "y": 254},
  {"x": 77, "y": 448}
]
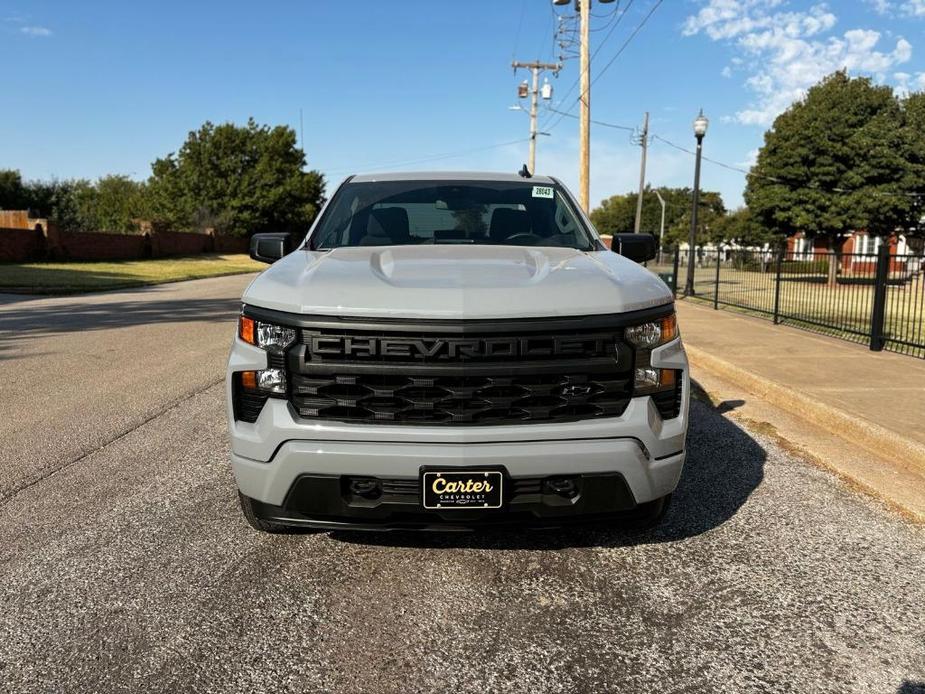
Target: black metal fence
[{"x": 876, "y": 299}]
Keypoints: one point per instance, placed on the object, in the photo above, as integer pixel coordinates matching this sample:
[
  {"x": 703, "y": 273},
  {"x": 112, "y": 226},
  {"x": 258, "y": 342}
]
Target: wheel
[
  {"x": 247, "y": 508},
  {"x": 651, "y": 513}
]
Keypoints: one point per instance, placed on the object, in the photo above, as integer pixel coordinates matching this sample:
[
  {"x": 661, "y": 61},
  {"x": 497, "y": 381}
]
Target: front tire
[{"x": 247, "y": 508}]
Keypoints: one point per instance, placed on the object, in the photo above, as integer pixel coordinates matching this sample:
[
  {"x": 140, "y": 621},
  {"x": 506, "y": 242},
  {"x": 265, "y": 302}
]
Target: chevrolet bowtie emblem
[{"x": 575, "y": 390}]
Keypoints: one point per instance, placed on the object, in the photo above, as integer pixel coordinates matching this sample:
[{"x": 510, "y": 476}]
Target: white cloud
[
  {"x": 903, "y": 8},
  {"x": 784, "y": 53},
  {"x": 35, "y": 31},
  {"x": 906, "y": 83},
  {"x": 881, "y": 6},
  {"x": 750, "y": 159}
]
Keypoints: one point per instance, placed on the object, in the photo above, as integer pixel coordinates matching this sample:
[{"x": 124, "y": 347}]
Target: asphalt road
[{"x": 125, "y": 566}]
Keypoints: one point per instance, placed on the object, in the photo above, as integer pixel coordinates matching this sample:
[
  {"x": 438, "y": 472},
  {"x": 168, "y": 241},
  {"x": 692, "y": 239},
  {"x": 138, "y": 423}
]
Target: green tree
[
  {"x": 617, "y": 214},
  {"x": 13, "y": 194},
  {"x": 913, "y": 152},
  {"x": 60, "y": 200},
  {"x": 711, "y": 210},
  {"x": 741, "y": 227},
  {"x": 832, "y": 164},
  {"x": 237, "y": 179},
  {"x": 115, "y": 204}
]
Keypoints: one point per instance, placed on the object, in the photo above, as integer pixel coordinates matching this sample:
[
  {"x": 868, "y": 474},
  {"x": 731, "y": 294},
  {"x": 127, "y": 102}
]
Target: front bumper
[
  {"x": 274, "y": 455},
  {"x": 330, "y": 502}
]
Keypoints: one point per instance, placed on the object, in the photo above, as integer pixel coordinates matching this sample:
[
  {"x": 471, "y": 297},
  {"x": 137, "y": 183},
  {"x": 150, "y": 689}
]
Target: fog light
[
  {"x": 563, "y": 486},
  {"x": 271, "y": 381},
  {"x": 368, "y": 487}
]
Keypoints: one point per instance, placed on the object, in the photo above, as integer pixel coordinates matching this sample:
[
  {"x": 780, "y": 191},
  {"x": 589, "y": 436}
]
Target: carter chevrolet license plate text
[{"x": 474, "y": 489}]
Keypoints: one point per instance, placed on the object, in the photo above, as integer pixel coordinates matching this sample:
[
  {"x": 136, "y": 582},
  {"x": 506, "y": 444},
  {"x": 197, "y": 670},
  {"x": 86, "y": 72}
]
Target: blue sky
[{"x": 98, "y": 87}]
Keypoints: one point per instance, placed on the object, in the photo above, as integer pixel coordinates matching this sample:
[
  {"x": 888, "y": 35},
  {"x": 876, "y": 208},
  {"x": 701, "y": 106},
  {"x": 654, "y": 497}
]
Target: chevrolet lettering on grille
[{"x": 455, "y": 348}]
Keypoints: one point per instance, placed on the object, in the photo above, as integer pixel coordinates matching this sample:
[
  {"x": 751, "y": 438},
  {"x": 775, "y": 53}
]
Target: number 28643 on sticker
[{"x": 542, "y": 192}]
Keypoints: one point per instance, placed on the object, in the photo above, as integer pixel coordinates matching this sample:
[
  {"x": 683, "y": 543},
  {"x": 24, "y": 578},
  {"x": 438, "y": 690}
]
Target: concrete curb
[{"x": 905, "y": 453}]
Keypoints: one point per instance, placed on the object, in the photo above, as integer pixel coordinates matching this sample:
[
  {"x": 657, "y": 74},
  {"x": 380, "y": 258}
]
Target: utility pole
[
  {"x": 644, "y": 143},
  {"x": 536, "y": 67},
  {"x": 584, "y": 117},
  {"x": 584, "y": 99}
]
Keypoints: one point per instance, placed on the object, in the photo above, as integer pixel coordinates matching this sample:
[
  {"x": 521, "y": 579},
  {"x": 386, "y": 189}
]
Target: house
[{"x": 859, "y": 251}]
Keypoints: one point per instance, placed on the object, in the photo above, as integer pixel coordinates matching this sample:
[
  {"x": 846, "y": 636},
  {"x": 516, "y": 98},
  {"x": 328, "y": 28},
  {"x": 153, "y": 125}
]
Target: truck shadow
[
  {"x": 22, "y": 321},
  {"x": 724, "y": 466}
]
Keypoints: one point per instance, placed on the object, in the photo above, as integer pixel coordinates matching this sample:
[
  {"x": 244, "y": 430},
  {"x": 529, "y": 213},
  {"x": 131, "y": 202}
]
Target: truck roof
[{"x": 449, "y": 176}]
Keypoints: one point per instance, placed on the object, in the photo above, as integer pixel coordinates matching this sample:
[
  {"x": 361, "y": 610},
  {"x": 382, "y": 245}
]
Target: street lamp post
[
  {"x": 700, "y": 129},
  {"x": 661, "y": 226}
]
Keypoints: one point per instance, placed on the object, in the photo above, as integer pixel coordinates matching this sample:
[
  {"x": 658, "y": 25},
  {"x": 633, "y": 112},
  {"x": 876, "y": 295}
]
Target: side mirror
[
  {"x": 638, "y": 247},
  {"x": 268, "y": 248}
]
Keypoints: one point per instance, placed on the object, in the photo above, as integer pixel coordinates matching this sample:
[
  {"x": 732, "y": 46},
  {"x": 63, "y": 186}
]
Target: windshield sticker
[{"x": 542, "y": 192}]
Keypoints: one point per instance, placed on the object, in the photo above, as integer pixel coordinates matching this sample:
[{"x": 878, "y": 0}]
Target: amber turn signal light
[
  {"x": 666, "y": 377},
  {"x": 246, "y": 331},
  {"x": 669, "y": 326},
  {"x": 249, "y": 380}
]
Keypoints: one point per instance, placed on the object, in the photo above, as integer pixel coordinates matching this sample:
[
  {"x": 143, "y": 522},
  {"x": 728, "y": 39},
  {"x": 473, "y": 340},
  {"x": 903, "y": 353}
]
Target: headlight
[
  {"x": 653, "y": 334},
  {"x": 662, "y": 385},
  {"x": 273, "y": 338}
]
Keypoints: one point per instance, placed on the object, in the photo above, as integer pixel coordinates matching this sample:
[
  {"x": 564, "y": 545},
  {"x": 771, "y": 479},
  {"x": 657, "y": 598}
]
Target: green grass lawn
[
  {"x": 843, "y": 310},
  {"x": 77, "y": 277}
]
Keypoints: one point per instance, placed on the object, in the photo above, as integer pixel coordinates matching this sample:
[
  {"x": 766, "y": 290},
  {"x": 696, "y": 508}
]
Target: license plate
[{"x": 462, "y": 490}]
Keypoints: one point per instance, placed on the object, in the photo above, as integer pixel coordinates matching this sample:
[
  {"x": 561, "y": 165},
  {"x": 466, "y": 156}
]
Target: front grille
[
  {"x": 459, "y": 399},
  {"x": 435, "y": 378}
]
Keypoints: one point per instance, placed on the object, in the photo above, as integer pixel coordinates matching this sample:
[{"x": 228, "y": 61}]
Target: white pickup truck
[{"x": 452, "y": 351}]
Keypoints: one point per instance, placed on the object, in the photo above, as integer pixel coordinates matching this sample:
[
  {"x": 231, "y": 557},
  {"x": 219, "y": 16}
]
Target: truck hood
[{"x": 456, "y": 282}]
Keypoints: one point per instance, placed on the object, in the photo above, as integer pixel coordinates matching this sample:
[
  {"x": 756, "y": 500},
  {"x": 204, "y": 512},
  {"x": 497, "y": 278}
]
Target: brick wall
[
  {"x": 164, "y": 243},
  {"x": 17, "y": 245},
  {"x": 231, "y": 244},
  {"x": 42, "y": 240},
  {"x": 85, "y": 245}
]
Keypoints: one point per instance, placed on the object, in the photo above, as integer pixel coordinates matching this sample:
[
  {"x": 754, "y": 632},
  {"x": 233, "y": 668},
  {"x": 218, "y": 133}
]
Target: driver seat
[
  {"x": 387, "y": 226},
  {"x": 506, "y": 223}
]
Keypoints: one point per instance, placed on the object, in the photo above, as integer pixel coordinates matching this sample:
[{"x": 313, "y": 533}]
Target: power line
[
  {"x": 774, "y": 179},
  {"x": 610, "y": 17},
  {"x": 609, "y": 14},
  {"x": 520, "y": 24},
  {"x": 627, "y": 42},
  {"x": 596, "y": 122},
  {"x": 712, "y": 161},
  {"x": 600, "y": 45},
  {"x": 622, "y": 48}
]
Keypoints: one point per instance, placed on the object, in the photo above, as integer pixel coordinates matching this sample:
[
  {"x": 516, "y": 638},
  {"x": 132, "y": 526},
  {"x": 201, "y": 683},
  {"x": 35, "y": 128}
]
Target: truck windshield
[{"x": 390, "y": 213}]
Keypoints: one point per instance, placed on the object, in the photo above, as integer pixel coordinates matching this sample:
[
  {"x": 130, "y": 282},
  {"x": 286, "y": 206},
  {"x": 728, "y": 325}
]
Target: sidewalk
[{"x": 875, "y": 400}]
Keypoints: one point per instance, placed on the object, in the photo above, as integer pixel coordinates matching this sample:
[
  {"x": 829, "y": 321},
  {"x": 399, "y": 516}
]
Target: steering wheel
[{"x": 521, "y": 235}]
